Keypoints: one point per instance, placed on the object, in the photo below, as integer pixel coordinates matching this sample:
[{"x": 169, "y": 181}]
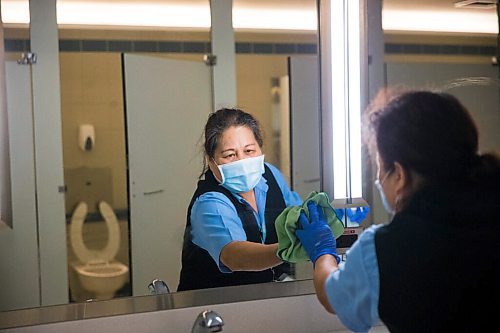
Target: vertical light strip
[
  {"x": 354, "y": 39},
  {"x": 338, "y": 93},
  {"x": 345, "y": 58}
]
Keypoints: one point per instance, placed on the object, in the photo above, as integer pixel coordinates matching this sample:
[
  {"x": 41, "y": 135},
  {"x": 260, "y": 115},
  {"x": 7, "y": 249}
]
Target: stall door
[{"x": 167, "y": 103}]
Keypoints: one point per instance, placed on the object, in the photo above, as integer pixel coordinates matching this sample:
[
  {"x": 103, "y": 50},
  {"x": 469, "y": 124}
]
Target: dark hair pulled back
[{"x": 223, "y": 119}]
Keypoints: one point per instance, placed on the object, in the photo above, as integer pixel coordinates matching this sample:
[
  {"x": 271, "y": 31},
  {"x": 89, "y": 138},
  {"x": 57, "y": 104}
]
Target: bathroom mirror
[
  {"x": 98, "y": 55},
  {"x": 113, "y": 75},
  {"x": 94, "y": 140}
]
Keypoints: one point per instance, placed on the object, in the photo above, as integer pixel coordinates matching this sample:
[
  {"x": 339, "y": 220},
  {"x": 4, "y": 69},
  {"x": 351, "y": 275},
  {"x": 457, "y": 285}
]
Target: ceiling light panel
[
  {"x": 196, "y": 15},
  {"x": 470, "y": 21}
]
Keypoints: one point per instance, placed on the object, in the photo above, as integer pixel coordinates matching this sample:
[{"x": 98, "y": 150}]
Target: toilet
[{"x": 97, "y": 270}]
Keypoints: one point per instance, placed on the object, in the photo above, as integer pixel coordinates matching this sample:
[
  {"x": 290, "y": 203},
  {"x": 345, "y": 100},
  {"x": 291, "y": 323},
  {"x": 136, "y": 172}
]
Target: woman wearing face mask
[
  {"x": 230, "y": 238},
  {"x": 432, "y": 267}
]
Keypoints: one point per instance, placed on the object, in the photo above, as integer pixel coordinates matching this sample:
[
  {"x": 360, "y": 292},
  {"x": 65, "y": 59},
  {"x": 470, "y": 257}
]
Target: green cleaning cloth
[{"x": 289, "y": 247}]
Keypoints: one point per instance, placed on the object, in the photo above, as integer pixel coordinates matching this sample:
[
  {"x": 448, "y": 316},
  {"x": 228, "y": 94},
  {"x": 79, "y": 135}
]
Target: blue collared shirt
[
  {"x": 215, "y": 221},
  {"x": 353, "y": 290}
]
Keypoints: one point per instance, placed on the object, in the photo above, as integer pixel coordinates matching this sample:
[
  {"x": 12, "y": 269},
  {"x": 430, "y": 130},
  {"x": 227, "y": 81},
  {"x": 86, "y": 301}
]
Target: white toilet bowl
[{"x": 97, "y": 270}]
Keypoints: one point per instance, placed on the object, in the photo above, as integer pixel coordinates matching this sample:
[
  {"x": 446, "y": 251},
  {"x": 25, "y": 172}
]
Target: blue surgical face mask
[
  {"x": 378, "y": 185},
  {"x": 242, "y": 175}
]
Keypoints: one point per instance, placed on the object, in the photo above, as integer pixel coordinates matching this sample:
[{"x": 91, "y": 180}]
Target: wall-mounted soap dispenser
[{"x": 86, "y": 137}]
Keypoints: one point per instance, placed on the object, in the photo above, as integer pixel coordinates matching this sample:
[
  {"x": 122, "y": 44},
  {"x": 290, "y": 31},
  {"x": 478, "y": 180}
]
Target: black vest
[
  {"x": 439, "y": 261},
  {"x": 200, "y": 271}
]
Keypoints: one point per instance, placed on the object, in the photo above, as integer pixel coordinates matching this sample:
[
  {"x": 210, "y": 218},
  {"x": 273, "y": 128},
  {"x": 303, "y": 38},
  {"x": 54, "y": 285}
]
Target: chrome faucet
[
  {"x": 157, "y": 287},
  {"x": 207, "y": 321}
]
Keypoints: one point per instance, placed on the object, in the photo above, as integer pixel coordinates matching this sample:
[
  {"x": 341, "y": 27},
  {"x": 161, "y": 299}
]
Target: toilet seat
[{"x": 85, "y": 255}]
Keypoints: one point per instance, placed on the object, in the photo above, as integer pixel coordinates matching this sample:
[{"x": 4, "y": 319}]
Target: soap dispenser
[{"x": 86, "y": 137}]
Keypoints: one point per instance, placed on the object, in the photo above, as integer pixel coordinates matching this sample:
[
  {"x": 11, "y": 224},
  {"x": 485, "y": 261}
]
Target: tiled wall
[
  {"x": 22, "y": 45},
  {"x": 434, "y": 49}
]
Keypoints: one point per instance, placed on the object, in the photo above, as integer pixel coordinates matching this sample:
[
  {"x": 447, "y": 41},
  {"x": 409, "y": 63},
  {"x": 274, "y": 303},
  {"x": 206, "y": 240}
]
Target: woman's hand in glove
[{"x": 315, "y": 234}]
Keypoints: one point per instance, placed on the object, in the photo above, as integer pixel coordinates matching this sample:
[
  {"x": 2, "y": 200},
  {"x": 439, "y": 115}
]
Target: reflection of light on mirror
[
  {"x": 162, "y": 15},
  {"x": 354, "y": 95},
  {"x": 441, "y": 21},
  {"x": 15, "y": 12},
  {"x": 346, "y": 98},
  {"x": 115, "y": 14},
  {"x": 133, "y": 14},
  {"x": 471, "y": 81},
  {"x": 286, "y": 19},
  {"x": 172, "y": 15}
]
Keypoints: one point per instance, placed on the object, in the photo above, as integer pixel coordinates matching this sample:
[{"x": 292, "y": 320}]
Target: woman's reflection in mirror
[
  {"x": 431, "y": 267},
  {"x": 230, "y": 237}
]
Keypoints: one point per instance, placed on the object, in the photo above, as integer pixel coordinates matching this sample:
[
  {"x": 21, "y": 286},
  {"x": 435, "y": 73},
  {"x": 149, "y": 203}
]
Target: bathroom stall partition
[
  {"x": 33, "y": 251},
  {"x": 19, "y": 246}
]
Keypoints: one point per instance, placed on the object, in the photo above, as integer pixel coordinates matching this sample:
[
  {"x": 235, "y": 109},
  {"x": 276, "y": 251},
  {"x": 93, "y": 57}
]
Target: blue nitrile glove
[{"x": 316, "y": 236}]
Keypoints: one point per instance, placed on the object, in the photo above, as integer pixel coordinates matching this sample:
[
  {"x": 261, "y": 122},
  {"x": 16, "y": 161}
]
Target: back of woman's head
[{"x": 429, "y": 133}]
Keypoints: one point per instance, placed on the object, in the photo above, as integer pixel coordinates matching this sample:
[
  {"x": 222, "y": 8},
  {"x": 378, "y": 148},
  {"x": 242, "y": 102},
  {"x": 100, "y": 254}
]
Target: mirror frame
[{"x": 139, "y": 304}]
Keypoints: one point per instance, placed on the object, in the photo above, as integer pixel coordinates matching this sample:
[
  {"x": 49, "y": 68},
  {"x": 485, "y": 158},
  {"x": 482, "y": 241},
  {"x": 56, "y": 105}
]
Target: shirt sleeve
[
  {"x": 353, "y": 290},
  {"x": 215, "y": 223},
  {"x": 291, "y": 198}
]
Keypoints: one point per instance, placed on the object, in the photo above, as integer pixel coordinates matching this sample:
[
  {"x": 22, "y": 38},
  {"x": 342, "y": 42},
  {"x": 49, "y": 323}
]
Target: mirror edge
[{"x": 138, "y": 304}]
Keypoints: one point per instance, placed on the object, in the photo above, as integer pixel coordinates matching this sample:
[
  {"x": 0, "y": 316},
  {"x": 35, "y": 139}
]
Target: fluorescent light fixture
[
  {"x": 275, "y": 19},
  {"x": 345, "y": 82},
  {"x": 144, "y": 14},
  {"x": 132, "y": 14},
  {"x": 168, "y": 15},
  {"x": 338, "y": 95},
  {"x": 15, "y": 12},
  {"x": 458, "y": 21},
  {"x": 115, "y": 14},
  {"x": 354, "y": 40}
]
